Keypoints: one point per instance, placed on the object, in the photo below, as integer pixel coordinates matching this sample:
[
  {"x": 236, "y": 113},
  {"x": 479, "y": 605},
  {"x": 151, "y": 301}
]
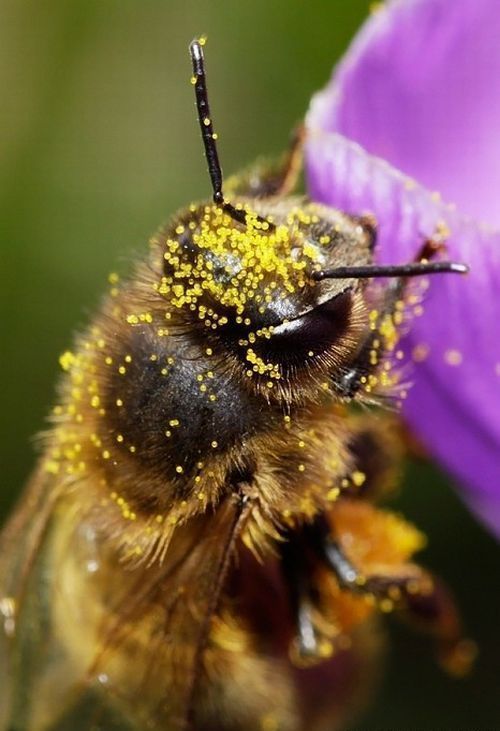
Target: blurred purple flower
[{"x": 419, "y": 88}]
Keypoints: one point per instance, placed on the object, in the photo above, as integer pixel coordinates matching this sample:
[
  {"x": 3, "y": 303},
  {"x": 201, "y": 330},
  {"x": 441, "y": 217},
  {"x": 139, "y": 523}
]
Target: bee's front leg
[
  {"x": 297, "y": 579},
  {"x": 395, "y": 588},
  {"x": 316, "y": 638},
  {"x": 416, "y": 595}
]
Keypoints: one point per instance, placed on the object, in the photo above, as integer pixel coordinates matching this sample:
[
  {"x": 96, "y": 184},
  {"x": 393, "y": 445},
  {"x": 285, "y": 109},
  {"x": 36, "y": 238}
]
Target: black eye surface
[
  {"x": 292, "y": 343},
  {"x": 314, "y": 332}
]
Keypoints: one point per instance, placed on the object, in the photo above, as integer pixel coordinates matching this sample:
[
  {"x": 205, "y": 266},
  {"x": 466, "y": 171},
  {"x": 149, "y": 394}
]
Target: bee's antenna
[
  {"x": 391, "y": 270},
  {"x": 209, "y": 136},
  {"x": 206, "y": 126}
]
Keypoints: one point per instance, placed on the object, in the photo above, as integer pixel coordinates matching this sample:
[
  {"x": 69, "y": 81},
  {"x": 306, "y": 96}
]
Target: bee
[{"x": 200, "y": 546}]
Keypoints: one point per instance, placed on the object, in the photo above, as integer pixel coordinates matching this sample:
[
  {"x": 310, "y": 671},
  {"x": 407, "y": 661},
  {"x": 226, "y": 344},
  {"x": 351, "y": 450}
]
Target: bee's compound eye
[{"x": 313, "y": 333}]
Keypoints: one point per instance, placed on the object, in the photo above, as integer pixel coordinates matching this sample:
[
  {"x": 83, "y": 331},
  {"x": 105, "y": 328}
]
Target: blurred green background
[{"x": 98, "y": 146}]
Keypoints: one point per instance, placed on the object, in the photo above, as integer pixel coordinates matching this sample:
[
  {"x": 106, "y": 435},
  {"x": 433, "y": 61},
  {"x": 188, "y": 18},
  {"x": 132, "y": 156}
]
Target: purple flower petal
[
  {"x": 418, "y": 87},
  {"x": 391, "y": 93},
  {"x": 454, "y": 402}
]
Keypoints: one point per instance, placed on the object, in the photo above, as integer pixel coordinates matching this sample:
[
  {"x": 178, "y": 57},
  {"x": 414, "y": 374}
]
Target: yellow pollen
[
  {"x": 333, "y": 493},
  {"x": 67, "y": 360},
  {"x": 453, "y": 357},
  {"x": 358, "y": 478},
  {"x": 420, "y": 352}
]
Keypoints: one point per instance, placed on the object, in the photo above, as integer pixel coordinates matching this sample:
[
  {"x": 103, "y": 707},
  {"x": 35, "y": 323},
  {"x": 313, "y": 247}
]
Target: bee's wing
[
  {"x": 20, "y": 543},
  {"x": 169, "y": 611},
  {"x": 73, "y": 662},
  {"x": 20, "y": 538},
  {"x": 41, "y": 687}
]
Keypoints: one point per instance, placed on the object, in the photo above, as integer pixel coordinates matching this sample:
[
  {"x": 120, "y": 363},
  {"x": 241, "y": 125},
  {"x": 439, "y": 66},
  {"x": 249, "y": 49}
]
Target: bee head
[{"x": 248, "y": 286}]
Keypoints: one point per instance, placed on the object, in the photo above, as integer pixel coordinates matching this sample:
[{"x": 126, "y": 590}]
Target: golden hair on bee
[{"x": 200, "y": 546}]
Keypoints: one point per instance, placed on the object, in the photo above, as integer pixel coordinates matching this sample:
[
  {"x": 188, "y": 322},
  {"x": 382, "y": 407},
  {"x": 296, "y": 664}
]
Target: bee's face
[{"x": 249, "y": 286}]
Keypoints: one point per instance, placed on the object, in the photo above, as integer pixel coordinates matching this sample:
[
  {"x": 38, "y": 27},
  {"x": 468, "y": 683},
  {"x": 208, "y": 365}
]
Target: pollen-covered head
[{"x": 249, "y": 284}]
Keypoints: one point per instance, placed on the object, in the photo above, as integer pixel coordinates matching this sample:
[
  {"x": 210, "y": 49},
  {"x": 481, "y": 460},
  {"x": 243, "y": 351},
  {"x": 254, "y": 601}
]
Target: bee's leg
[
  {"x": 380, "y": 442},
  {"x": 417, "y": 596},
  {"x": 267, "y": 179},
  {"x": 378, "y": 445},
  {"x": 349, "y": 577},
  {"x": 296, "y": 575}
]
